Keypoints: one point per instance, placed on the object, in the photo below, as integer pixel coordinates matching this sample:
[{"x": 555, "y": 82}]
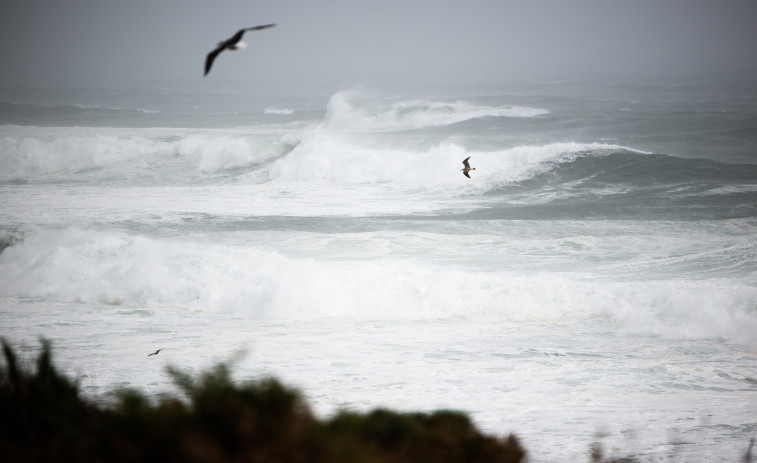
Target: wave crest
[
  {"x": 46, "y": 151},
  {"x": 323, "y": 155},
  {"x": 27, "y": 152},
  {"x": 93, "y": 267},
  {"x": 213, "y": 153},
  {"x": 355, "y": 111}
]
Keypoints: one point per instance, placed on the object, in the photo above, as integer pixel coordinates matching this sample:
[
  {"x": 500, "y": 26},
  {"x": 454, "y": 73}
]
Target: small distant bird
[
  {"x": 233, "y": 43},
  {"x": 154, "y": 353},
  {"x": 467, "y": 167}
]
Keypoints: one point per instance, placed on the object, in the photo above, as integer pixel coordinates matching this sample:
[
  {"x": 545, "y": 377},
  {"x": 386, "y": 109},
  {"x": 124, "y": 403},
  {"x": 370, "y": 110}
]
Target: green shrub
[{"x": 45, "y": 419}]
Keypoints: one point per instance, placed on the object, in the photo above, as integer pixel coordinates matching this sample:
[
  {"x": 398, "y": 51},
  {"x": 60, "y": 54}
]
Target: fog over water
[
  {"x": 347, "y": 42},
  {"x": 594, "y": 280}
]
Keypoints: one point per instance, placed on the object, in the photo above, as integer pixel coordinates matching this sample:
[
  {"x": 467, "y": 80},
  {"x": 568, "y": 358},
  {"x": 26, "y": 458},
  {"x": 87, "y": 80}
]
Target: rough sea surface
[{"x": 594, "y": 281}]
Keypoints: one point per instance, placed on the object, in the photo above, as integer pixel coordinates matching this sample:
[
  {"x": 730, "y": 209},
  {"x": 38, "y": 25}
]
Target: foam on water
[
  {"x": 119, "y": 269},
  {"x": 279, "y": 111},
  {"x": 31, "y": 152},
  {"x": 303, "y": 156},
  {"x": 218, "y": 152},
  {"x": 356, "y": 110},
  {"x": 325, "y": 155},
  {"x": 28, "y": 152},
  {"x": 591, "y": 273}
]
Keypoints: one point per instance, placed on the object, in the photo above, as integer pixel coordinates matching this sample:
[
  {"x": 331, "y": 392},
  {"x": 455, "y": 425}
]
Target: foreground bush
[{"x": 43, "y": 418}]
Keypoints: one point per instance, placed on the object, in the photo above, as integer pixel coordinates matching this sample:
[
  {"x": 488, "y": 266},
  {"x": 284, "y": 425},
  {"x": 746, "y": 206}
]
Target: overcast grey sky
[{"x": 99, "y": 41}]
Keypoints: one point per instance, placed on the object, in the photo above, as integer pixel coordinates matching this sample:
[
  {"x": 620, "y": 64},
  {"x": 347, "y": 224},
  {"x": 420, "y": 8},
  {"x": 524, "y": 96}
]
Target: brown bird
[
  {"x": 154, "y": 353},
  {"x": 467, "y": 167},
  {"x": 232, "y": 43}
]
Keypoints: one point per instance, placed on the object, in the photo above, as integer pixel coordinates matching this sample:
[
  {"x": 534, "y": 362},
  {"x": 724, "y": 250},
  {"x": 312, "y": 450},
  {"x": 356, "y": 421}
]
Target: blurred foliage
[{"x": 44, "y": 418}]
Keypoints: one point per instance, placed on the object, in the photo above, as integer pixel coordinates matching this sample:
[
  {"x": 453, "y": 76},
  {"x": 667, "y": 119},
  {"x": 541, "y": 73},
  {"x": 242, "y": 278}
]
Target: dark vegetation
[{"x": 43, "y": 418}]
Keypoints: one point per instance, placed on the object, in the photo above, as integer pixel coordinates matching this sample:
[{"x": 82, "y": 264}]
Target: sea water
[{"x": 593, "y": 282}]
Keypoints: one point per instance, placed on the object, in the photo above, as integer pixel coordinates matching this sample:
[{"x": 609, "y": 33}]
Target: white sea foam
[
  {"x": 116, "y": 108},
  {"x": 322, "y": 154},
  {"x": 567, "y": 281},
  {"x": 349, "y": 111},
  {"x": 302, "y": 155},
  {"x": 77, "y": 265},
  {"x": 218, "y": 151},
  {"x": 35, "y": 151},
  {"x": 279, "y": 111}
]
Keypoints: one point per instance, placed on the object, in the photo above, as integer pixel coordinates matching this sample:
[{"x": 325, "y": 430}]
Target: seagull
[
  {"x": 467, "y": 167},
  {"x": 233, "y": 43},
  {"x": 155, "y": 353}
]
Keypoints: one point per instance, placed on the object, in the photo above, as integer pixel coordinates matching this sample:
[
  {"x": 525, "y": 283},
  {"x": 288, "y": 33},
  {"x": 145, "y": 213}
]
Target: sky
[{"x": 64, "y": 42}]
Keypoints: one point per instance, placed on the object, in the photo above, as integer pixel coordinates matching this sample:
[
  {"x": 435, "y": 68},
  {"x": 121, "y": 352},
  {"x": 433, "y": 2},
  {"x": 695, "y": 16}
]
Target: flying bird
[
  {"x": 154, "y": 353},
  {"x": 467, "y": 167},
  {"x": 232, "y": 43}
]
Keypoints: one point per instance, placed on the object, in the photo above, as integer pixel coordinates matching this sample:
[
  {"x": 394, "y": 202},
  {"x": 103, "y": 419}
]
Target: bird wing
[
  {"x": 212, "y": 56},
  {"x": 256, "y": 28},
  {"x": 466, "y": 174},
  {"x": 238, "y": 36},
  {"x": 465, "y": 162}
]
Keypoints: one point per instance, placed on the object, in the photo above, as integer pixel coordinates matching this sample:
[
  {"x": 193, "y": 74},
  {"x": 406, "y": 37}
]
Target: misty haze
[{"x": 541, "y": 214}]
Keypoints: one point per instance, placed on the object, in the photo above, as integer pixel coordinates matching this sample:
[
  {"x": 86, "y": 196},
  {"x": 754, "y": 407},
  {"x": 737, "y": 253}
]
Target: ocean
[{"x": 593, "y": 283}]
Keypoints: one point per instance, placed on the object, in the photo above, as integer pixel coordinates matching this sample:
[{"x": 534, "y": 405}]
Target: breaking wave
[
  {"x": 27, "y": 152},
  {"x": 355, "y": 111},
  {"x": 116, "y": 268},
  {"x": 33, "y": 151}
]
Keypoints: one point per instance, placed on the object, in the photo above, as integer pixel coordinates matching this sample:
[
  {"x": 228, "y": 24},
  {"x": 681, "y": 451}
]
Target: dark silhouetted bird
[
  {"x": 154, "y": 353},
  {"x": 233, "y": 43}
]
